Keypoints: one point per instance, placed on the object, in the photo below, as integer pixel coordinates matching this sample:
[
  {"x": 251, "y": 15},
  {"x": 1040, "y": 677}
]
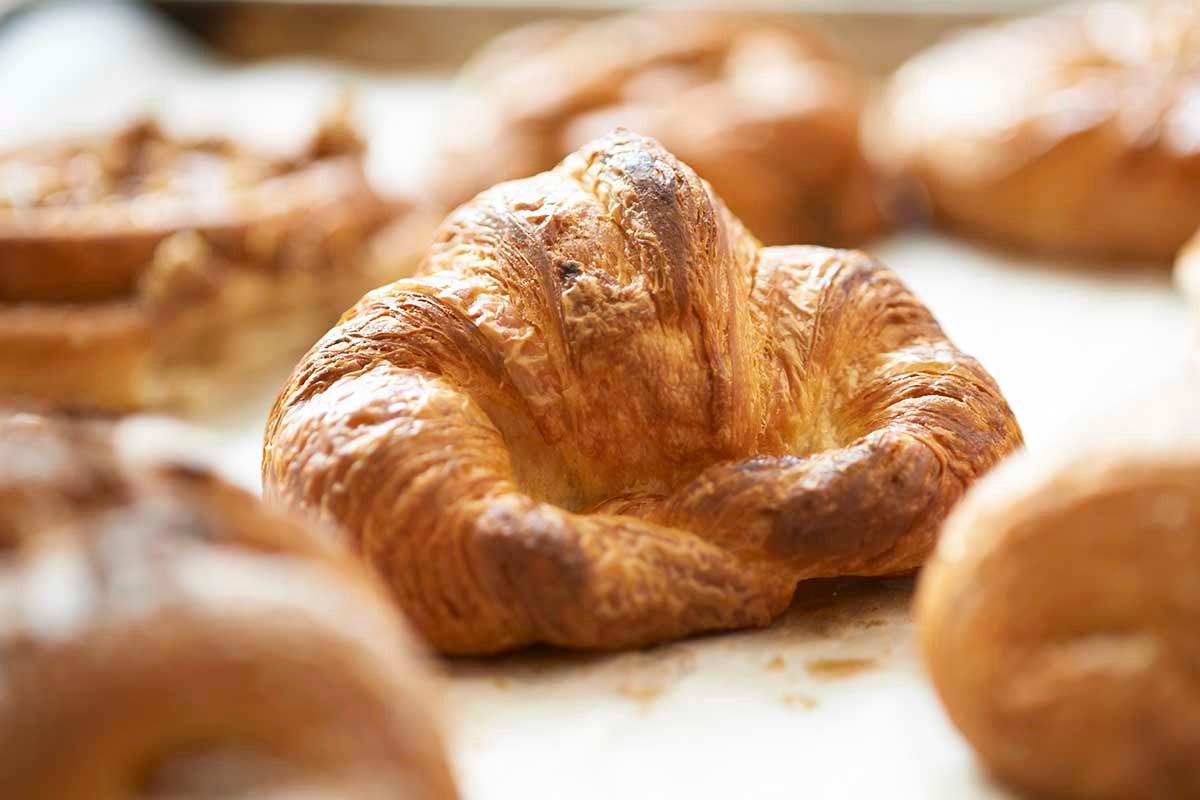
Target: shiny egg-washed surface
[
  {"x": 162, "y": 635},
  {"x": 765, "y": 111},
  {"x": 603, "y": 416},
  {"x": 1075, "y": 132}
]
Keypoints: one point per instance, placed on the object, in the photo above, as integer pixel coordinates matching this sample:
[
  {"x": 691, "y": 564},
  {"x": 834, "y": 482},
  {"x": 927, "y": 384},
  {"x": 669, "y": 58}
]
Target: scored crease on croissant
[
  {"x": 148, "y": 268},
  {"x": 766, "y": 110},
  {"x": 162, "y": 635},
  {"x": 604, "y": 417},
  {"x": 1073, "y": 132},
  {"x": 1058, "y": 618}
]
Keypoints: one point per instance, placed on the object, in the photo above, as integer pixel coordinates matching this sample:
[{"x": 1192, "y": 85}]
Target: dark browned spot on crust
[
  {"x": 652, "y": 174},
  {"x": 836, "y": 668},
  {"x": 568, "y": 270},
  {"x": 860, "y": 503},
  {"x": 536, "y": 562}
]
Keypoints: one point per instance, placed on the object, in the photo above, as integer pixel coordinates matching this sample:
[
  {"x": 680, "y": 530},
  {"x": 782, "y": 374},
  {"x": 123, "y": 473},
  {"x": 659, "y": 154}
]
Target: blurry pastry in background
[
  {"x": 141, "y": 270},
  {"x": 1076, "y": 132},
  {"x": 165, "y": 636},
  {"x": 1059, "y": 616},
  {"x": 767, "y": 112}
]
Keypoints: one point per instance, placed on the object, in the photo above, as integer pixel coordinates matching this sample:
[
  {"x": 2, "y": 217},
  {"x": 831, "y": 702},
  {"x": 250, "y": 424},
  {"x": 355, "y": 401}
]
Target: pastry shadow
[{"x": 868, "y": 613}]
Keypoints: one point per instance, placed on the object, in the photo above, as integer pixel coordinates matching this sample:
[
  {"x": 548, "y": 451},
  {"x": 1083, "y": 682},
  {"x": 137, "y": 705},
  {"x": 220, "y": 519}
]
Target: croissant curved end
[
  {"x": 1058, "y": 617},
  {"x": 603, "y": 416}
]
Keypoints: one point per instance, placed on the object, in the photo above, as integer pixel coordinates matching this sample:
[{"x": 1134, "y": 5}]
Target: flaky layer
[
  {"x": 164, "y": 635},
  {"x": 1074, "y": 132},
  {"x": 603, "y": 417},
  {"x": 768, "y": 113}
]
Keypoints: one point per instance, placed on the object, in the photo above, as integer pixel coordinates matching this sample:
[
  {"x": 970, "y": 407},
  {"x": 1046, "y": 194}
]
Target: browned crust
[
  {"x": 603, "y": 417},
  {"x": 150, "y": 294},
  {"x": 156, "y": 618},
  {"x": 1068, "y": 133},
  {"x": 767, "y": 112},
  {"x": 1058, "y": 618}
]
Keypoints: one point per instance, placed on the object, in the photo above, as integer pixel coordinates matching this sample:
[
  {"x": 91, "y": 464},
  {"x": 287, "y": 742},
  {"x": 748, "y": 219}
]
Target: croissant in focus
[
  {"x": 162, "y": 635},
  {"x": 148, "y": 269},
  {"x": 1072, "y": 132},
  {"x": 1059, "y": 616},
  {"x": 603, "y": 416},
  {"x": 767, "y": 111}
]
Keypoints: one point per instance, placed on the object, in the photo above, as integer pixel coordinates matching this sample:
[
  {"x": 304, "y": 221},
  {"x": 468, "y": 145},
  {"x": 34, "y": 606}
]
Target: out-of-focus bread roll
[
  {"x": 1059, "y": 616},
  {"x": 1075, "y": 132}
]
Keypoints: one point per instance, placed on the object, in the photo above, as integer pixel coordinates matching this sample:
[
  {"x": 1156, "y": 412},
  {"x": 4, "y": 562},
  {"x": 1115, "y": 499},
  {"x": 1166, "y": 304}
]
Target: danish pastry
[
  {"x": 603, "y": 417},
  {"x": 767, "y": 112},
  {"x": 162, "y": 635},
  {"x": 147, "y": 269},
  {"x": 1074, "y": 132}
]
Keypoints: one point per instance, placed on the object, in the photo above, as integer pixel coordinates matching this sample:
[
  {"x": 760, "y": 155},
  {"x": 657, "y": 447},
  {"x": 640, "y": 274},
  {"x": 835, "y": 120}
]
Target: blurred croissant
[
  {"x": 605, "y": 417},
  {"x": 162, "y": 635},
  {"x": 766, "y": 110}
]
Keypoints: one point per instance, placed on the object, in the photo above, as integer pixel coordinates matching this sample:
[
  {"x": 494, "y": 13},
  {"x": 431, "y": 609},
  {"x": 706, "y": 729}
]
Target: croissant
[
  {"x": 1058, "y": 618},
  {"x": 163, "y": 635},
  {"x": 766, "y": 111},
  {"x": 1073, "y": 132},
  {"x": 149, "y": 269},
  {"x": 603, "y": 416}
]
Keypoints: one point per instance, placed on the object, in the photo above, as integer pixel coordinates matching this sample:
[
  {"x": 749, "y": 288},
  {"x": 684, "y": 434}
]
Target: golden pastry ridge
[{"x": 603, "y": 416}]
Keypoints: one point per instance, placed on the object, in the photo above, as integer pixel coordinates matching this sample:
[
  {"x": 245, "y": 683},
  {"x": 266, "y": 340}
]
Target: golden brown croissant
[
  {"x": 161, "y": 635},
  {"x": 145, "y": 269},
  {"x": 767, "y": 112},
  {"x": 1072, "y": 132},
  {"x": 604, "y": 417},
  {"x": 1059, "y": 617}
]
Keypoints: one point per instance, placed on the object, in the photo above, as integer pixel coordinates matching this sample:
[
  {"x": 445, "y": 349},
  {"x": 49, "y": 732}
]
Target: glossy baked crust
[
  {"x": 604, "y": 417},
  {"x": 1075, "y": 132},
  {"x": 1059, "y": 616},
  {"x": 766, "y": 111},
  {"x": 149, "y": 270},
  {"x": 164, "y": 636}
]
